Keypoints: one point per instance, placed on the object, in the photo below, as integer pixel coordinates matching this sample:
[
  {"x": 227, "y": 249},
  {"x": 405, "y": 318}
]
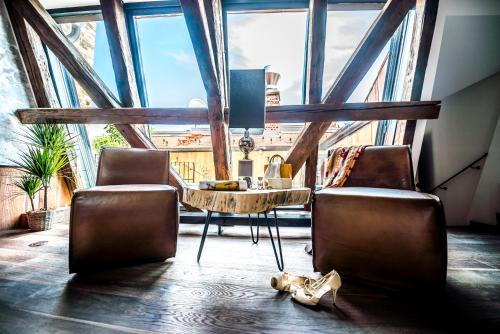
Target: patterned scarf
[{"x": 340, "y": 164}]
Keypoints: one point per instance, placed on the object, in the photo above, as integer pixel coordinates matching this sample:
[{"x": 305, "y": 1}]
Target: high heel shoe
[
  {"x": 287, "y": 282},
  {"x": 312, "y": 291}
]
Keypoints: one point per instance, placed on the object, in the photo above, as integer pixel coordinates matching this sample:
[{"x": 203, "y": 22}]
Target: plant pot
[{"x": 40, "y": 220}]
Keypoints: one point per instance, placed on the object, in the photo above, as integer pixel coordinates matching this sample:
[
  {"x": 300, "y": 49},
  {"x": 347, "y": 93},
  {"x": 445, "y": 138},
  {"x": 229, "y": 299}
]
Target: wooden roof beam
[
  {"x": 195, "y": 15},
  {"x": 358, "y": 65},
  {"x": 275, "y": 114},
  {"x": 318, "y": 12},
  {"x": 113, "y": 15},
  {"x": 39, "y": 83}
]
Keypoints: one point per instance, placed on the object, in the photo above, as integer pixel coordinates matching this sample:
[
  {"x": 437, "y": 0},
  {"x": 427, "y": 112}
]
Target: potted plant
[
  {"x": 46, "y": 154},
  {"x": 31, "y": 185}
]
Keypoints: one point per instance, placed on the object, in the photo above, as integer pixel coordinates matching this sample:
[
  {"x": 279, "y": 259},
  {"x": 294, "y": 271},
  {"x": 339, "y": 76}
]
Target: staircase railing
[{"x": 471, "y": 165}]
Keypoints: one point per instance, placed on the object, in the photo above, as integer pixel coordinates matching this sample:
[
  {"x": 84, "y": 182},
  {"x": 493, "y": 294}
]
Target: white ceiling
[
  {"x": 51, "y": 4},
  {"x": 470, "y": 52}
]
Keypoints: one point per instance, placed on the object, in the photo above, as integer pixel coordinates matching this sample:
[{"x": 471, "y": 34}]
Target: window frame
[{"x": 172, "y": 7}]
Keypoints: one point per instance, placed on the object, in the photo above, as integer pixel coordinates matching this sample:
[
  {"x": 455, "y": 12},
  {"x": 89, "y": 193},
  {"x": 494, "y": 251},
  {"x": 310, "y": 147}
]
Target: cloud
[
  {"x": 278, "y": 39},
  {"x": 182, "y": 58}
]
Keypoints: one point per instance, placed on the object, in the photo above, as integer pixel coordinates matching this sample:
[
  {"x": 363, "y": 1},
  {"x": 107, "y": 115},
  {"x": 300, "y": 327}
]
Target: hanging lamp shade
[{"x": 247, "y": 101}]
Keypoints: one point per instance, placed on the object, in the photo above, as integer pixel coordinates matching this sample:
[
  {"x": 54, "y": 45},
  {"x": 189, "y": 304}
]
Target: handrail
[{"x": 471, "y": 165}]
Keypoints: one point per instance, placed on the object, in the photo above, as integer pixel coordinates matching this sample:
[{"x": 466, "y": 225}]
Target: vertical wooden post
[
  {"x": 318, "y": 12},
  {"x": 116, "y": 30},
  {"x": 196, "y": 19}
]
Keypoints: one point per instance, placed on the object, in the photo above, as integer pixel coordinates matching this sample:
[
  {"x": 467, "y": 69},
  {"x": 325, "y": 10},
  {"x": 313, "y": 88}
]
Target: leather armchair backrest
[
  {"x": 132, "y": 166},
  {"x": 383, "y": 167}
]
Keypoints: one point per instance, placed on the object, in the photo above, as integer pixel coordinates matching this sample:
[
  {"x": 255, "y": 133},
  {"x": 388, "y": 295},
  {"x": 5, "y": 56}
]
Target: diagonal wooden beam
[
  {"x": 213, "y": 9},
  {"x": 196, "y": 20},
  {"x": 318, "y": 11},
  {"x": 113, "y": 15},
  {"x": 426, "y": 11},
  {"x": 356, "y": 68},
  {"x": 39, "y": 83},
  {"x": 275, "y": 114}
]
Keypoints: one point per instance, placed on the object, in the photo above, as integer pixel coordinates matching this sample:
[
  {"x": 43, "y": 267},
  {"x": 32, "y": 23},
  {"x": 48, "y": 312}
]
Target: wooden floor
[{"x": 229, "y": 290}]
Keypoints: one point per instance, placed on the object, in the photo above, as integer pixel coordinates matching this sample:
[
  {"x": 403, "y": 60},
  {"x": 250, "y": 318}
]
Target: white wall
[
  {"x": 486, "y": 202},
  {"x": 463, "y": 72},
  {"x": 463, "y": 132},
  {"x": 473, "y": 60}
]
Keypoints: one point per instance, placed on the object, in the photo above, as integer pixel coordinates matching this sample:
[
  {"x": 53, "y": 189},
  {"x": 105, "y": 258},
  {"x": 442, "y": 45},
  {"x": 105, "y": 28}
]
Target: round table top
[{"x": 245, "y": 202}]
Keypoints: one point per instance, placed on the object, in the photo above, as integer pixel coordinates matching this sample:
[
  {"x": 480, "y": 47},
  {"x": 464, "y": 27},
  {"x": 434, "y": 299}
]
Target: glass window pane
[
  {"x": 257, "y": 39},
  {"x": 172, "y": 79},
  {"x": 170, "y": 69},
  {"x": 344, "y": 32},
  {"x": 90, "y": 40}
]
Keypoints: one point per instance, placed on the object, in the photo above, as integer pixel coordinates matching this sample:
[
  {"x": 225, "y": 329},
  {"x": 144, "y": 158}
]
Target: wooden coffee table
[{"x": 246, "y": 202}]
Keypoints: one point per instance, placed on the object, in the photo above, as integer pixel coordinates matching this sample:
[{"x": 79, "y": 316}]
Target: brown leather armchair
[
  {"x": 131, "y": 215},
  {"x": 377, "y": 228}
]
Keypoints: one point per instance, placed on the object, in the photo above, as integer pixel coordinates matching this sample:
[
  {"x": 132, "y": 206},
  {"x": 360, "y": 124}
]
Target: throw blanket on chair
[{"x": 340, "y": 164}]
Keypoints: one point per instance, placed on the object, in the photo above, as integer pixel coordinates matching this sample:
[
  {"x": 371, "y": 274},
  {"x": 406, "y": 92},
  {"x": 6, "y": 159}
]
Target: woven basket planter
[{"x": 40, "y": 220}]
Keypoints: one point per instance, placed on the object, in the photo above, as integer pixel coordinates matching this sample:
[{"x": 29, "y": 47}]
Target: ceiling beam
[
  {"x": 426, "y": 11},
  {"x": 195, "y": 15},
  {"x": 275, "y": 114},
  {"x": 318, "y": 12},
  {"x": 353, "y": 72},
  {"x": 116, "y": 30},
  {"x": 213, "y": 9},
  {"x": 39, "y": 82}
]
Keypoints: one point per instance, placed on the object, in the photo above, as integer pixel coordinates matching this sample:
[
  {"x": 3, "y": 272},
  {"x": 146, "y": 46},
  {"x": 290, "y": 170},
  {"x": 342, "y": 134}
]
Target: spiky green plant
[
  {"x": 31, "y": 185},
  {"x": 46, "y": 154},
  {"x": 42, "y": 163},
  {"x": 52, "y": 136}
]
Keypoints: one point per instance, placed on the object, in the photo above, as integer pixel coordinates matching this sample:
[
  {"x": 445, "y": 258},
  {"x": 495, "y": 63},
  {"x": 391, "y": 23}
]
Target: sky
[{"x": 255, "y": 40}]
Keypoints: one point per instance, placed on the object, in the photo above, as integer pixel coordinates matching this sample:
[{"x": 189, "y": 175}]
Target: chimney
[{"x": 272, "y": 92}]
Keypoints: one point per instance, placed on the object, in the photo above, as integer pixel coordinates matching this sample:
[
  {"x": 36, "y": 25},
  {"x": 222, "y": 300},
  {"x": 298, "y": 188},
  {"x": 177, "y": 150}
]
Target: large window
[
  {"x": 171, "y": 76},
  {"x": 257, "y": 34},
  {"x": 345, "y": 30}
]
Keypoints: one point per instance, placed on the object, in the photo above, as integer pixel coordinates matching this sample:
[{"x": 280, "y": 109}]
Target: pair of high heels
[{"x": 305, "y": 290}]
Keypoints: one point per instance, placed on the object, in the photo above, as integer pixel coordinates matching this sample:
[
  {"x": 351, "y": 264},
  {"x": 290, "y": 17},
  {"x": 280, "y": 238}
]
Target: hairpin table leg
[
  {"x": 279, "y": 261},
  {"x": 254, "y": 240},
  {"x": 205, "y": 230}
]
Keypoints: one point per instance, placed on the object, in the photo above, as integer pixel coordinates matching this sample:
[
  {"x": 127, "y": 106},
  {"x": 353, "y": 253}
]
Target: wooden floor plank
[{"x": 228, "y": 291}]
